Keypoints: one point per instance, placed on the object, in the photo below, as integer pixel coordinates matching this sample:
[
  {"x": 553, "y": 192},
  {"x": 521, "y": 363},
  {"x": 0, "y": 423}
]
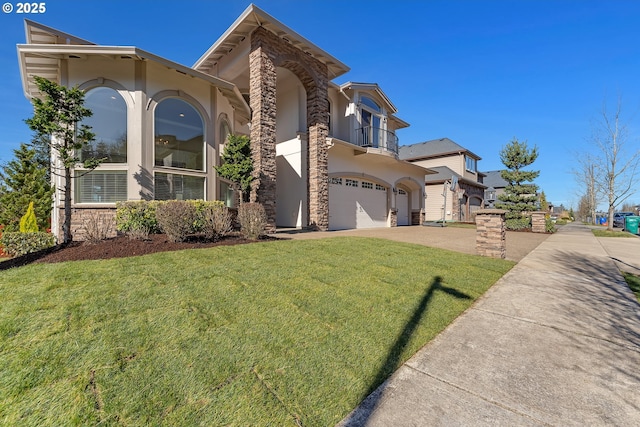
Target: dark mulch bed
[{"x": 119, "y": 247}]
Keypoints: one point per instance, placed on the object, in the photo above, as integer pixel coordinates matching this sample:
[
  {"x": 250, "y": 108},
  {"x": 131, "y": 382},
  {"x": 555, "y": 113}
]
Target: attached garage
[{"x": 355, "y": 203}]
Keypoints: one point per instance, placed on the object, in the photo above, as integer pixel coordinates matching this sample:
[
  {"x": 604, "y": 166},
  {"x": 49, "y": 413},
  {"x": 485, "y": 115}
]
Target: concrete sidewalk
[{"x": 555, "y": 342}]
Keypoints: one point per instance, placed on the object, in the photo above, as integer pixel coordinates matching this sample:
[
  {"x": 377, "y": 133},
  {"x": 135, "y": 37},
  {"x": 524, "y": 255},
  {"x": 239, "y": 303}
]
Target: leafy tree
[
  {"x": 237, "y": 165},
  {"x": 520, "y": 194},
  {"x": 23, "y": 180},
  {"x": 57, "y": 116}
]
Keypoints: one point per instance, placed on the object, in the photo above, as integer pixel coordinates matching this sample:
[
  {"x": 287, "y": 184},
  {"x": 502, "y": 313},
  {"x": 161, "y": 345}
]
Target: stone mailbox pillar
[
  {"x": 491, "y": 234},
  {"x": 538, "y": 222}
]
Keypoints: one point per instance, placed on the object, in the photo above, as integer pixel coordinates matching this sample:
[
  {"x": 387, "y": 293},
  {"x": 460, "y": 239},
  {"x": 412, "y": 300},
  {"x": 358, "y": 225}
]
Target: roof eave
[
  {"x": 256, "y": 17},
  {"x": 58, "y": 52}
]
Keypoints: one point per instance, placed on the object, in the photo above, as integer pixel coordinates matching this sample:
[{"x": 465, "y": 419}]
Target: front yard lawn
[{"x": 273, "y": 333}]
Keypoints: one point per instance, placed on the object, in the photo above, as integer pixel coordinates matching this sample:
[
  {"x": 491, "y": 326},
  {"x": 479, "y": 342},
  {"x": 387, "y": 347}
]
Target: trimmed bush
[
  {"x": 17, "y": 244},
  {"x": 252, "y": 219},
  {"x": 518, "y": 224},
  {"x": 549, "y": 226},
  {"x": 137, "y": 219},
  {"x": 176, "y": 219},
  {"x": 216, "y": 221}
]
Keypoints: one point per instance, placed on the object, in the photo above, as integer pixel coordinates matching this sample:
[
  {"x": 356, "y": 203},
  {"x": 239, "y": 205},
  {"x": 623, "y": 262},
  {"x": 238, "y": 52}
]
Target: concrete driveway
[{"x": 451, "y": 238}]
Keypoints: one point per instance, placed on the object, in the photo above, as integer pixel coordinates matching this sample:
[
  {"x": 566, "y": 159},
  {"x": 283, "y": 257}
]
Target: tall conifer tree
[
  {"x": 520, "y": 195},
  {"x": 24, "y": 180}
]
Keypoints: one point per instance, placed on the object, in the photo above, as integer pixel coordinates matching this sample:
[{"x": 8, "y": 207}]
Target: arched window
[
  {"x": 108, "y": 123},
  {"x": 179, "y": 135},
  {"x": 225, "y": 131},
  {"x": 179, "y": 143}
]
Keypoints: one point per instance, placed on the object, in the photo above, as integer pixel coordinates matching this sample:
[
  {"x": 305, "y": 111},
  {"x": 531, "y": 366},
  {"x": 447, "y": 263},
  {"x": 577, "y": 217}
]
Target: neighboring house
[
  {"x": 325, "y": 155},
  {"x": 456, "y": 191},
  {"x": 495, "y": 180}
]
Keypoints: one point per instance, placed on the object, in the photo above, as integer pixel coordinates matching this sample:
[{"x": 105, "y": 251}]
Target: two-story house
[
  {"x": 325, "y": 155},
  {"x": 456, "y": 191}
]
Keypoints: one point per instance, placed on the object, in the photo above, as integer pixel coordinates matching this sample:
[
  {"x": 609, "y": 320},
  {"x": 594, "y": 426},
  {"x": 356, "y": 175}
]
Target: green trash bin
[{"x": 631, "y": 224}]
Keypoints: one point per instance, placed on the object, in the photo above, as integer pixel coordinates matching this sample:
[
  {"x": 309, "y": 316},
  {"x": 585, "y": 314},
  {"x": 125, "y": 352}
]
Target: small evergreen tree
[
  {"x": 544, "y": 204},
  {"x": 520, "y": 194},
  {"x": 23, "y": 180},
  {"x": 28, "y": 222},
  {"x": 237, "y": 165},
  {"x": 57, "y": 116}
]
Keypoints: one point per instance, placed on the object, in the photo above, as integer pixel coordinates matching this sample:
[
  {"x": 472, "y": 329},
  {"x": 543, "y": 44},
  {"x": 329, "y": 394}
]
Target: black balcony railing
[{"x": 370, "y": 136}]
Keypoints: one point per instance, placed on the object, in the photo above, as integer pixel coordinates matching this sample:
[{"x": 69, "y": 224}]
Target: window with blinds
[{"x": 101, "y": 187}]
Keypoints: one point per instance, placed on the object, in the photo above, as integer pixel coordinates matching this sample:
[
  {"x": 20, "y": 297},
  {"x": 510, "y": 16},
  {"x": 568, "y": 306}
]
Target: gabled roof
[
  {"x": 444, "y": 173},
  {"x": 434, "y": 148},
  {"x": 252, "y": 18},
  {"x": 41, "y": 34},
  {"x": 375, "y": 88},
  {"x": 493, "y": 179},
  {"x": 43, "y": 59}
]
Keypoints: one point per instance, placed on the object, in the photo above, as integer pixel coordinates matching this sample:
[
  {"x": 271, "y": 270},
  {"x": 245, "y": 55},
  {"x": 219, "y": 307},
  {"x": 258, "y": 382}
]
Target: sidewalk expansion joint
[
  {"x": 481, "y": 397},
  {"x": 559, "y": 329}
]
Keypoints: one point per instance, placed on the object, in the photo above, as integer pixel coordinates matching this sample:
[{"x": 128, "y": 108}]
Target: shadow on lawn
[{"x": 371, "y": 398}]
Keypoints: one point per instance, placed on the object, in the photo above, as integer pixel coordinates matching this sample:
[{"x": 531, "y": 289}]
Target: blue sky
[{"x": 478, "y": 72}]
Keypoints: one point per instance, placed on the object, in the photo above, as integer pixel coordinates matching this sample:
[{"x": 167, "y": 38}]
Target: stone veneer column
[
  {"x": 538, "y": 222},
  {"x": 268, "y": 52},
  {"x": 262, "y": 82},
  {"x": 318, "y": 181},
  {"x": 491, "y": 235}
]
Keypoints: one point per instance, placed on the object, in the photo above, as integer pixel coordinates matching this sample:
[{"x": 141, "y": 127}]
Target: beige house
[
  {"x": 456, "y": 191},
  {"x": 325, "y": 155}
]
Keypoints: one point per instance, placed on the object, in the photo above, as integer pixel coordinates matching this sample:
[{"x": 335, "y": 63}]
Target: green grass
[
  {"x": 273, "y": 333},
  {"x": 605, "y": 233},
  {"x": 634, "y": 283},
  {"x": 461, "y": 225}
]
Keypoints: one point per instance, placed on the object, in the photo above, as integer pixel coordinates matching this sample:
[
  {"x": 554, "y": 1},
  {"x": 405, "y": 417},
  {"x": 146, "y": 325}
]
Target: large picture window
[
  {"x": 179, "y": 135},
  {"x": 108, "y": 123}
]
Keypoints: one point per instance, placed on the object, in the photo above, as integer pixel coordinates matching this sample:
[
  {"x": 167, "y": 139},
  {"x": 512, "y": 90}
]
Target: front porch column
[
  {"x": 318, "y": 187},
  {"x": 262, "y": 99}
]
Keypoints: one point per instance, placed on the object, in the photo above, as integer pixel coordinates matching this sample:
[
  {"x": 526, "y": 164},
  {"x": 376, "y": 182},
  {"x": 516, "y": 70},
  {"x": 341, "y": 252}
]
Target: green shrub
[
  {"x": 137, "y": 219},
  {"x": 29, "y": 222},
  {"x": 252, "y": 219},
  {"x": 176, "y": 219},
  {"x": 17, "y": 244},
  {"x": 518, "y": 224},
  {"x": 201, "y": 208},
  {"x": 216, "y": 221},
  {"x": 549, "y": 225}
]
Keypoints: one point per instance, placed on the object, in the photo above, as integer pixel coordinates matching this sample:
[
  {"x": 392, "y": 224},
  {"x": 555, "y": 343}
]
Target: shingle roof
[
  {"x": 444, "y": 173},
  {"x": 493, "y": 179},
  {"x": 433, "y": 148}
]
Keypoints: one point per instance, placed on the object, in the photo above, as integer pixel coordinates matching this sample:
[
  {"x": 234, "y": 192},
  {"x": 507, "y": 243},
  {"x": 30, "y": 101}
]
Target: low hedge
[
  {"x": 138, "y": 219},
  {"x": 17, "y": 244}
]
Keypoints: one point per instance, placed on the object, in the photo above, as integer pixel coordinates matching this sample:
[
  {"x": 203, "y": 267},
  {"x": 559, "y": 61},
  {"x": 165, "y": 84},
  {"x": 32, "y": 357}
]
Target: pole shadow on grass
[{"x": 371, "y": 398}]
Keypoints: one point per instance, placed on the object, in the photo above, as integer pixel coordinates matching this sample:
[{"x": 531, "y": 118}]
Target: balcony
[{"x": 374, "y": 137}]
